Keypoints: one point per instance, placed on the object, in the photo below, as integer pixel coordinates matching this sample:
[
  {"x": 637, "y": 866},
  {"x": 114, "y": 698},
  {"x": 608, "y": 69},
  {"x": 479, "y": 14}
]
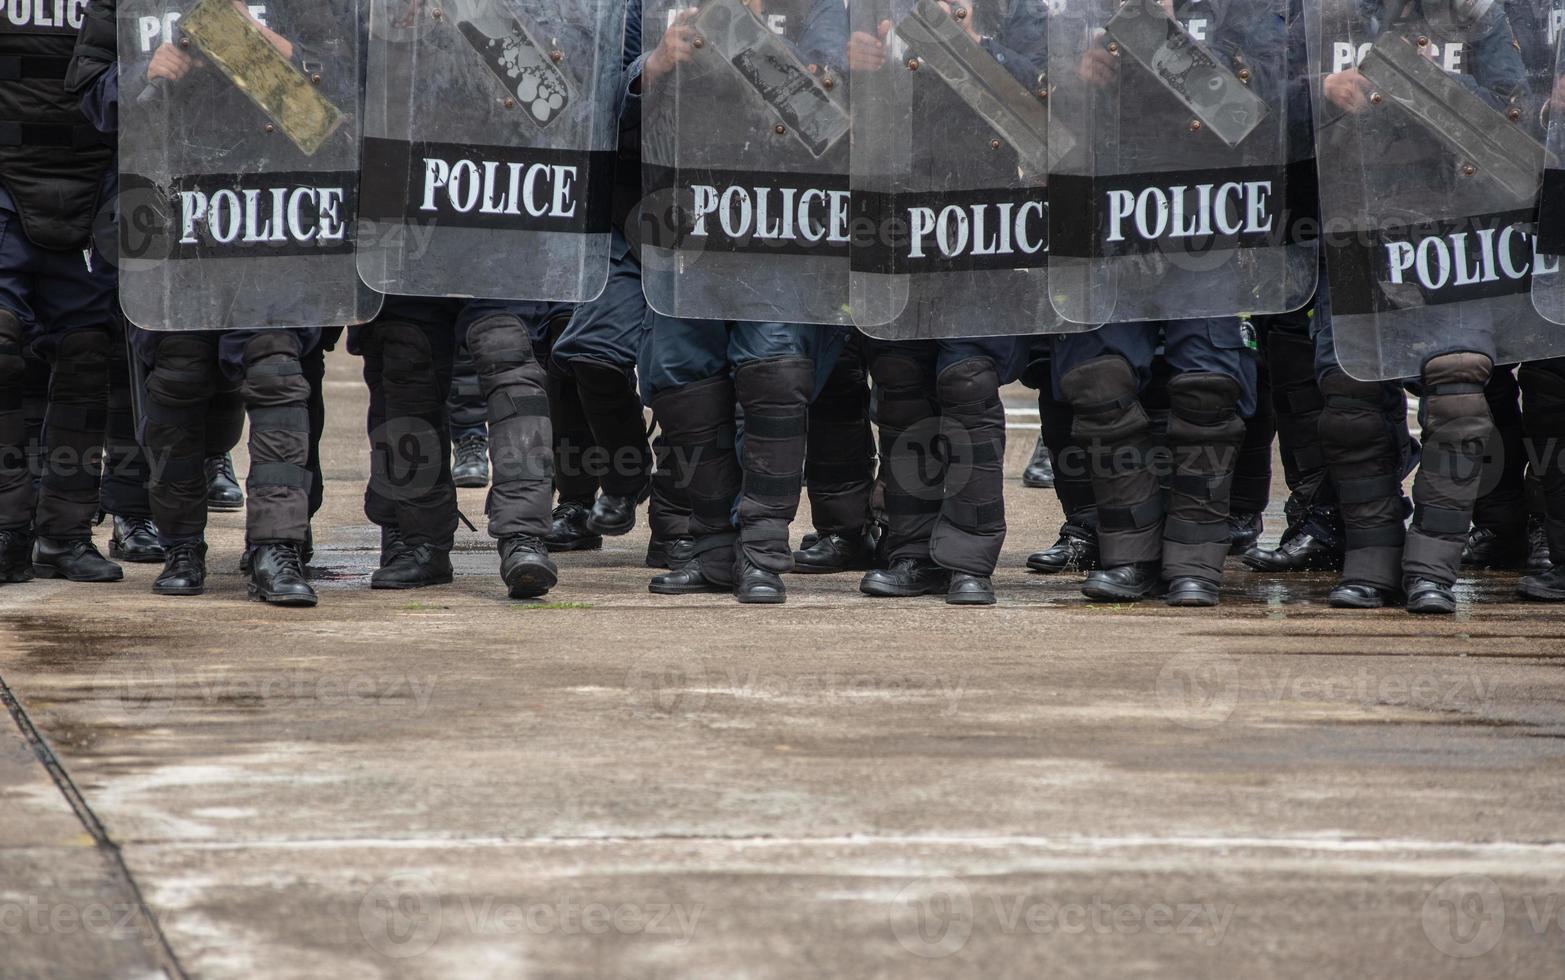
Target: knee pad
[
  {"x": 407, "y": 366},
  {"x": 273, "y": 374},
  {"x": 902, "y": 396},
  {"x": 601, "y": 380},
  {"x": 1455, "y": 413},
  {"x": 1204, "y": 408},
  {"x": 970, "y": 388},
  {"x": 1543, "y": 413},
  {"x": 81, "y": 368},
  {"x": 1102, "y": 394},
  {"x": 184, "y": 372}
]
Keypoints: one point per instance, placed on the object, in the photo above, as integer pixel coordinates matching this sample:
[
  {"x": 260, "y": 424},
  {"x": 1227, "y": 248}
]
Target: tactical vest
[{"x": 52, "y": 160}]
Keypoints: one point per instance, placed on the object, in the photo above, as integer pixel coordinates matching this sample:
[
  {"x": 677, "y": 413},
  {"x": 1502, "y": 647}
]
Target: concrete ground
[{"x": 610, "y": 784}]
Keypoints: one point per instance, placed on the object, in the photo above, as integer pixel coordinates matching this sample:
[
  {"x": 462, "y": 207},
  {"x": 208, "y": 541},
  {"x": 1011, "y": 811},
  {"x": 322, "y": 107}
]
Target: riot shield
[
  {"x": 1430, "y": 159},
  {"x": 1548, "y": 277},
  {"x": 1169, "y": 201},
  {"x": 489, "y": 136},
  {"x": 951, "y": 153},
  {"x": 745, "y": 133},
  {"x": 239, "y": 154}
]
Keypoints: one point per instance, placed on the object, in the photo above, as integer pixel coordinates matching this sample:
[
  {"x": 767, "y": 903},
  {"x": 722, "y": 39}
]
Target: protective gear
[
  {"x": 16, "y": 483},
  {"x": 73, "y": 559},
  {"x": 414, "y": 566},
  {"x": 126, "y": 469},
  {"x": 1348, "y": 594},
  {"x": 773, "y": 395},
  {"x": 520, "y": 433},
  {"x": 1363, "y": 429},
  {"x": 613, "y": 412},
  {"x": 839, "y": 453},
  {"x": 744, "y": 162},
  {"x": 463, "y": 93},
  {"x": 834, "y": 553},
  {"x": 907, "y": 420},
  {"x": 1251, "y": 491},
  {"x": 184, "y": 570},
  {"x": 525, "y": 566},
  {"x": 180, "y": 386},
  {"x": 1204, "y": 435},
  {"x": 756, "y": 585},
  {"x": 970, "y": 529},
  {"x": 687, "y": 579},
  {"x": 951, "y": 152},
  {"x": 75, "y": 421},
  {"x": 244, "y": 173},
  {"x": 277, "y": 575},
  {"x": 668, "y": 512},
  {"x": 470, "y": 461},
  {"x": 1297, "y": 401},
  {"x": 568, "y": 530},
  {"x": 906, "y": 577},
  {"x": 1428, "y": 596},
  {"x": 277, "y": 397},
  {"x": 1116, "y": 435},
  {"x": 1124, "y": 583},
  {"x": 1191, "y": 590},
  {"x": 1543, "y": 417},
  {"x": 698, "y": 422},
  {"x": 574, "y": 481},
  {"x": 1456, "y": 429},
  {"x": 135, "y": 539},
  {"x": 1159, "y": 117},
  {"x": 970, "y": 590},
  {"x": 1077, "y": 548},
  {"x": 410, "y": 484}
]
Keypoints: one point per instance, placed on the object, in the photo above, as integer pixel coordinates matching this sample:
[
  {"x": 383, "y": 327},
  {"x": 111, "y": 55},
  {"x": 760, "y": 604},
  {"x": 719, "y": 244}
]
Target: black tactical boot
[
  {"x": 757, "y": 585},
  {"x": 1538, "y": 559},
  {"x": 1361, "y": 595},
  {"x": 612, "y": 515},
  {"x": 1428, "y": 596},
  {"x": 1124, "y": 583},
  {"x": 686, "y": 579},
  {"x": 73, "y": 559},
  {"x": 1312, "y": 544},
  {"x": 1189, "y": 590},
  {"x": 222, "y": 486},
  {"x": 669, "y": 552},
  {"x": 391, "y": 545},
  {"x": 970, "y": 590},
  {"x": 16, "y": 555},
  {"x": 307, "y": 550},
  {"x": 1039, "y": 473},
  {"x": 1489, "y": 547},
  {"x": 1244, "y": 528},
  {"x": 277, "y": 575},
  {"x": 135, "y": 540},
  {"x": 834, "y": 553},
  {"x": 1077, "y": 549},
  {"x": 470, "y": 461},
  {"x": 906, "y": 577},
  {"x": 570, "y": 531},
  {"x": 1546, "y": 586},
  {"x": 184, "y": 570},
  {"x": 526, "y": 567},
  {"x": 414, "y": 568}
]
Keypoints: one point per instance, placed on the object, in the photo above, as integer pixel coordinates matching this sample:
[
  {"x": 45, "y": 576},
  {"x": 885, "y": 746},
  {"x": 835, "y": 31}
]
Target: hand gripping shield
[
  {"x": 1171, "y": 199},
  {"x": 745, "y": 133},
  {"x": 239, "y": 180},
  {"x": 1430, "y": 159},
  {"x": 951, "y": 154},
  {"x": 489, "y": 138}
]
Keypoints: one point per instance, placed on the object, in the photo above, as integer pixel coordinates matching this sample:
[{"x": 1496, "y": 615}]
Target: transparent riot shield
[
  {"x": 239, "y": 158},
  {"x": 1169, "y": 200},
  {"x": 1538, "y": 44},
  {"x": 489, "y": 136},
  {"x": 1430, "y": 159},
  {"x": 745, "y": 133},
  {"x": 951, "y": 154}
]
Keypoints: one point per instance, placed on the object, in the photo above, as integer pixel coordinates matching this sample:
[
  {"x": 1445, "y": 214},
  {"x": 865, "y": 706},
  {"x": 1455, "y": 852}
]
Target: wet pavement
[{"x": 610, "y": 784}]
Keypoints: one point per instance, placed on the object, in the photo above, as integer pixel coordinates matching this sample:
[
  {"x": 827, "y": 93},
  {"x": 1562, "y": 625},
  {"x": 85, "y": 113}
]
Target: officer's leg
[
  {"x": 181, "y": 380},
  {"x": 684, "y": 371},
  {"x": 378, "y": 506},
  {"x": 1313, "y": 539},
  {"x": 1543, "y": 414},
  {"x": 970, "y": 529},
  {"x": 225, "y": 427},
  {"x": 1038, "y": 374},
  {"x": 1456, "y": 429},
  {"x": 16, "y": 483},
  {"x": 1363, "y": 433},
  {"x": 1212, "y": 386},
  {"x": 668, "y": 511},
  {"x": 1077, "y": 544},
  {"x": 520, "y": 448},
  {"x": 314, "y": 364},
  {"x": 411, "y": 459},
  {"x": 125, "y": 469},
  {"x": 839, "y": 469},
  {"x": 1099, "y": 373},
  {"x": 774, "y": 379},
  {"x": 913, "y": 467},
  {"x": 277, "y": 505},
  {"x": 1499, "y": 535},
  {"x": 469, "y": 431},
  {"x": 575, "y": 478},
  {"x": 1251, "y": 492}
]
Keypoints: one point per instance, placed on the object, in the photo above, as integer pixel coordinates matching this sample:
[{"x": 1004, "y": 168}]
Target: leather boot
[
  {"x": 570, "y": 531},
  {"x": 135, "y": 540},
  {"x": 970, "y": 590},
  {"x": 830, "y": 553},
  {"x": 613, "y": 515},
  {"x": 470, "y": 462},
  {"x": 1076, "y": 549},
  {"x": 277, "y": 575},
  {"x": 184, "y": 570},
  {"x": 687, "y": 579},
  {"x": 1429, "y": 596},
  {"x": 1039, "y": 473},
  {"x": 669, "y": 552},
  {"x": 904, "y": 578},
  {"x": 414, "y": 567},
  {"x": 75, "y": 559},
  {"x": 757, "y": 585},
  {"x": 1124, "y": 583},
  {"x": 223, "y": 493},
  {"x": 526, "y": 567},
  {"x": 1312, "y": 544}
]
